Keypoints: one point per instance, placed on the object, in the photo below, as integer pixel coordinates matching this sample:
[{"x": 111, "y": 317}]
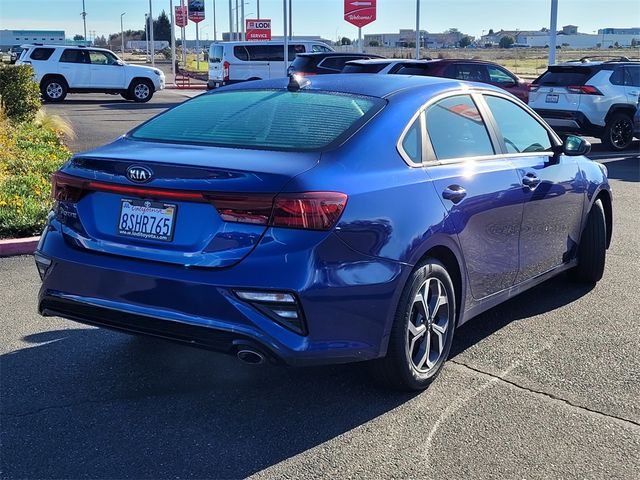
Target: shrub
[
  {"x": 29, "y": 154},
  {"x": 19, "y": 94}
]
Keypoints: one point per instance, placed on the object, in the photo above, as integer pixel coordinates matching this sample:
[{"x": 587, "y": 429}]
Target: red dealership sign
[
  {"x": 181, "y": 17},
  {"x": 360, "y": 12},
  {"x": 196, "y": 10},
  {"x": 258, "y": 29}
]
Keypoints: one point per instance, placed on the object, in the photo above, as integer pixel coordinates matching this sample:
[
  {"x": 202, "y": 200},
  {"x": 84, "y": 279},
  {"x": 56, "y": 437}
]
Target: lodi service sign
[
  {"x": 360, "y": 12},
  {"x": 258, "y": 29}
]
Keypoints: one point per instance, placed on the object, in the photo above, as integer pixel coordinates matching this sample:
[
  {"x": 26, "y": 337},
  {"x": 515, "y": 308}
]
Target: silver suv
[
  {"x": 61, "y": 69},
  {"x": 596, "y": 98}
]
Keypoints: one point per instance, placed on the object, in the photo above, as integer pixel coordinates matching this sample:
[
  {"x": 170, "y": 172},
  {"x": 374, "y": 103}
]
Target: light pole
[
  {"x": 258, "y": 9},
  {"x": 122, "y": 32},
  {"x": 242, "y": 24},
  {"x": 146, "y": 32},
  {"x": 553, "y": 32},
  {"x": 173, "y": 42},
  {"x": 237, "y": 26},
  {"x": 153, "y": 47},
  {"x": 417, "y": 29},
  {"x": 215, "y": 31},
  {"x": 290, "y": 20},
  {"x": 286, "y": 40},
  {"x": 84, "y": 20}
]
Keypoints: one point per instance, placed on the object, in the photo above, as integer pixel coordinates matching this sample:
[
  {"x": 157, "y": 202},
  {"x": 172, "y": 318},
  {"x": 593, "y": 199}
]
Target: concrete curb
[{"x": 18, "y": 246}]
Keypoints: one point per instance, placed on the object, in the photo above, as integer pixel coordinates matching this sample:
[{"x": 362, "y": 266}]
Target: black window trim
[{"x": 477, "y": 95}]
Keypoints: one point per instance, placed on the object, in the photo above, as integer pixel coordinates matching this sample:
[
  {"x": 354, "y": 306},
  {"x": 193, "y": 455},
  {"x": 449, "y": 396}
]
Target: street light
[
  {"x": 146, "y": 32},
  {"x": 122, "y": 32},
  {"x": 84, "y": 20}
]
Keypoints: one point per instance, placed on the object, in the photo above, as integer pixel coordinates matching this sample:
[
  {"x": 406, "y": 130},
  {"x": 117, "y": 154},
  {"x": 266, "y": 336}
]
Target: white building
[{"x": 10, "y": 38}]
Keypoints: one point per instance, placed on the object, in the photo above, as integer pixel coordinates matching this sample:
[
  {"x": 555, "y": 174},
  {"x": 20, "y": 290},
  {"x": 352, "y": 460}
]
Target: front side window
[
  {"x": 522, "y": 133},
  {"x": 263, "y": 119},
  {"x": 320, "y": 48},
  {"x": 456, "y": 129},
  {"x": 471, "y": 72},
  {"x": 632, "y": 76},
  {"x": 101, "y": 58},
  {"x": 497, "y": 75}
]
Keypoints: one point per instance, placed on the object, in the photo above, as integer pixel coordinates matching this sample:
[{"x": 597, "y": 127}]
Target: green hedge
[
  {"x": 19, "y": 94},
  {"x": 29, "y": 154}
]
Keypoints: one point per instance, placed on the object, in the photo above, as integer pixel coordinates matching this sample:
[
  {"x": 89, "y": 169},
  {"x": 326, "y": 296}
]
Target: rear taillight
[
  {"x": 225, "y": 71},
  {"x": 584, "y": 89},
  {"x": 66, "y": 188},
  {"x": 308, "y": 211}
]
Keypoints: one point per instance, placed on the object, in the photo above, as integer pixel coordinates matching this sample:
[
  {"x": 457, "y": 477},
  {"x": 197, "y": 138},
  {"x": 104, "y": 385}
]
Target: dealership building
[{"x": 10, "y": 38}]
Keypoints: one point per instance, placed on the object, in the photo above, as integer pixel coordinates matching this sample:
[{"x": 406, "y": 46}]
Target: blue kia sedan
[{"x": 339, "y": 219}]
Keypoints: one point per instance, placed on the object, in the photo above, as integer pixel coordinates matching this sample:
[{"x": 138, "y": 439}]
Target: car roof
[
  {"x": 339, "y": 54},
  {"x": 373, "y": 85},
  {"x": 79, "y": 47}
]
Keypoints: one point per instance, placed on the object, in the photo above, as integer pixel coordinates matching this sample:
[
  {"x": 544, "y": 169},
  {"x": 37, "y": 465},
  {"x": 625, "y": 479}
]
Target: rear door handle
[
  {"x": 454, "y": 193},
  {"x": 530, "y": 180}
]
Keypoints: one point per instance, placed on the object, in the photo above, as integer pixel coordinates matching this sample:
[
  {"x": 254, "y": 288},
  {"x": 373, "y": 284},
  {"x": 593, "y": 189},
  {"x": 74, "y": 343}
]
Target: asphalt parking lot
[{"x": 544, "y": 386}]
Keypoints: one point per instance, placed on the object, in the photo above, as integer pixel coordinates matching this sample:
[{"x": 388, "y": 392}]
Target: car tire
[
  {"x": 54, "y": 89},
  {"x": 141, "y": 90},
  {"x": 618, "y": 132},
  {"x": 422, "y": 331},
  {"x": 593, "y": 247}
]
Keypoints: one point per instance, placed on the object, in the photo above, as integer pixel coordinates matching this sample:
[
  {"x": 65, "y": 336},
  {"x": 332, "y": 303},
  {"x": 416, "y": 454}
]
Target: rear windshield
[
  {"x": 564, "y": 76},
  {"x": 302, "y": 62},
  {"x": 261, "y": 119},
  {"x": 363, "y": 68}
]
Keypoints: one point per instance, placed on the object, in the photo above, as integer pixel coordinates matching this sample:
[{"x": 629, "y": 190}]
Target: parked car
[
  {"x": 595, "y": 98},
  {"x": 461, "y": 69},
  {"x": 335, "y": 219},
  {"x": 320, "y": 63},
  {"x": 63, "y": 69},
  {"x": 232, "y": 62}
]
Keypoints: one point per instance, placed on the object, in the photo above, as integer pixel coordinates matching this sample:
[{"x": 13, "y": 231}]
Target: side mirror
[{"x": 575, "y": 146}]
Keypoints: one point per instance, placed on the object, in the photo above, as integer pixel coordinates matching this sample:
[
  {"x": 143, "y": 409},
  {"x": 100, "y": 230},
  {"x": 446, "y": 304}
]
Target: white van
[{"x": 231, "y": 62}]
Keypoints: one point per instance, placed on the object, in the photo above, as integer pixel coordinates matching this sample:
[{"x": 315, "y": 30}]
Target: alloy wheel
[
  {"x": 622, "y": 133},
  {"x": 141, "y": 91},
  {"x": 54, "y": 90},
  {"x": 428, "y": 325}
]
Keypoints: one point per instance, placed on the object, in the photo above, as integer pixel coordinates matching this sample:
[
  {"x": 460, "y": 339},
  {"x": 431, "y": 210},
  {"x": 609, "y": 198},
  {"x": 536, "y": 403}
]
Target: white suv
[
  {"x": 592, "y": 98},
  {"x": 61, "y": 69}
]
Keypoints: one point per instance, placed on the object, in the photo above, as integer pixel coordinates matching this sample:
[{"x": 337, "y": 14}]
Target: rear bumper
[
  {"x": 348, "y": 299},
  {"x": 568, "y": 121}
]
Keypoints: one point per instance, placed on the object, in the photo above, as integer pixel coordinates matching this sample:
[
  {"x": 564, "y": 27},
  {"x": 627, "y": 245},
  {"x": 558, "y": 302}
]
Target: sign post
[
  {"x": 258, "y": 29},
  {"x": 360, "y": 13},
  {"x": 196, "y": 15}
]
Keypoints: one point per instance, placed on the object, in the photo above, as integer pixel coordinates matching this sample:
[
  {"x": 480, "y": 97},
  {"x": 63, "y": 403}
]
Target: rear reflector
[
  {"x": 584, "y": 89},
  {"x": 308, "y": 210}
]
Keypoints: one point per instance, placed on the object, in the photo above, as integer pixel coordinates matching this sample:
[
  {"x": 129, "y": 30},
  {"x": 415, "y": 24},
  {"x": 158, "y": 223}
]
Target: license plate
[
  {"x": 551, "y": 98},
  {"x": 146, "y": 219}
]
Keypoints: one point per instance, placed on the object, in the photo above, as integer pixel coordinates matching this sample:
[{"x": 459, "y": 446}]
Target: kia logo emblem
[{"x": 139, "y": 174}]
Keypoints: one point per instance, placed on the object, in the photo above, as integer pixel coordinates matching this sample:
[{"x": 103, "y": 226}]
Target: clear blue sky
[{"x": 324, "y": 17}]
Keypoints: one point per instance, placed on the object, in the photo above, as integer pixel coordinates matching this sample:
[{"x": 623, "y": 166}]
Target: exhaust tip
[{"x": 251, "y": 357}]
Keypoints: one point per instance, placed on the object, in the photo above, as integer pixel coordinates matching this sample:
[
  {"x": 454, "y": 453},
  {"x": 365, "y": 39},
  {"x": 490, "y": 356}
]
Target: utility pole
[
  {"x": 242, "y": 24},
  {"x": 417, "y": 29},
  {"x": 286, "y": 39},
  {"x": 290, "y": 20},
  {"x": 122, "y": 32},
  {"x": 153, "y": 47},
  {"x": 183, "y": 42},
  {"x": 258, "y": 7},
  {"x": 553, "y": 32},
  {"x": 237, "y": 26},
  {"x": 84, "y": 20}
]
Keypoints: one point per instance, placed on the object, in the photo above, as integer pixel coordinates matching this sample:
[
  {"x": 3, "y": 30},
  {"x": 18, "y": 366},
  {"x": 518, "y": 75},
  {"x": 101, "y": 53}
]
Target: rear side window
[
  {"x": 471, "y": 72},
  {"x": 456, "y": 129},
  {"x": 42, "y": 53},
  {"x": 269, "y": 119},
  {"x": 564, "y": 76},
  {"x": 215, "y": 55},
  {"x": 412, "y": 141},
  {"x": 335, "y": 63},
  {"x": 364, "y": 67},
  {"x": 521, "y": 132},
  {"x": 265, "y": 53},
  {"x": 302, "y": 63},
  {"x": 632, "y": 76},
  {"x": 410, "y": 69},
  {"x": 74, "y": 56},
  {"x": 320, "y": 48}
]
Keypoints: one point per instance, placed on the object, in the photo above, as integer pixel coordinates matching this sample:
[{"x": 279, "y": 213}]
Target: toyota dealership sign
[{"x": 360, "y": 12}]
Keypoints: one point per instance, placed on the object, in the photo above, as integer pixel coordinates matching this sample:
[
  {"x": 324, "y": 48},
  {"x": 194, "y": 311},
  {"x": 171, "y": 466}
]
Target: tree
[
  {"x": 491, "y": 31},
  {"x": 465, "y": 41},
  {"x": 507, "y": 41},
  {"x": 452, "y": 30},
  {"x": 78, "y": 37},
  {"x": 162, "y": 28},
  {"x": 374, "y": 43},
  {"x": 100, "y": 41},
  {"x": 345, "y": 41}
]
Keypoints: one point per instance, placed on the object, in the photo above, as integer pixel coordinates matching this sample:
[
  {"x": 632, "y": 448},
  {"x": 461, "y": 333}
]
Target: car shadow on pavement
[
  {"x": 546, "y": 297},
  {"x": 86, "y": 402},
  {"x": 627, "y": 170},
  {"x": 117, "y": 103}
]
